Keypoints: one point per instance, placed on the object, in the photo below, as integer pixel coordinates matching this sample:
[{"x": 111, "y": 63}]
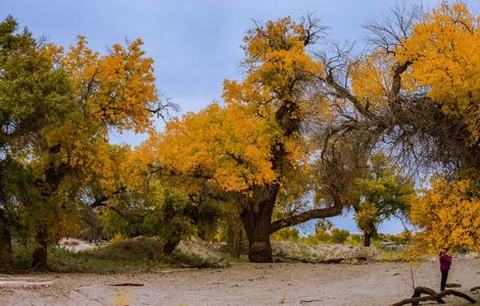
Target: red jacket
[{"x": 445, "y": 262}]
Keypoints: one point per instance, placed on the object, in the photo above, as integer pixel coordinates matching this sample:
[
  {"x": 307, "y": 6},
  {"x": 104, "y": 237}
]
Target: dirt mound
[{"x": 195, "y": 252}]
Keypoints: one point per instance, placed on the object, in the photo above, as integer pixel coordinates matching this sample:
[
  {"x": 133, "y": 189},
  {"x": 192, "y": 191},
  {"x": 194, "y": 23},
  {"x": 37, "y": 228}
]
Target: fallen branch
[
  {"x": 424, "y": 290},
  {"x": 281, "y": 258},
  {"x": 432, "y": 295},
  {"x": 127, "y": 285},
  {"x": 475, "y": 288}
]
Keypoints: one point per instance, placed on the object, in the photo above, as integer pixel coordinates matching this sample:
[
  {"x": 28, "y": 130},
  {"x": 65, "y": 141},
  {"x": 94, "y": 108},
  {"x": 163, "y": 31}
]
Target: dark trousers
[{"x": 444, "y": 279}]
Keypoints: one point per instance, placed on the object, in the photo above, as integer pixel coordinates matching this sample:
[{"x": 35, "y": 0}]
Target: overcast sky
[{"x": 195, "y": 44}]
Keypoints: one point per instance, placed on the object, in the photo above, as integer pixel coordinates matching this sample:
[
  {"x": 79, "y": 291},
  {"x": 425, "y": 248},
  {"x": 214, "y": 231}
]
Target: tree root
[{"x": 432, "y": 295}]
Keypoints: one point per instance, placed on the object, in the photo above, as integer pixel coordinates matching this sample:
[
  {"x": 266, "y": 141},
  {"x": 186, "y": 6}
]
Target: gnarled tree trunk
[
  {"x": 257, "y": 219},
  {"x": 259, "y": 246}
]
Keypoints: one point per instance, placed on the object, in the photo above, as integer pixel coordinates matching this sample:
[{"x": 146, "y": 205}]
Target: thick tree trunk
[
  {"x": 367, "y": 239},
  {"x": 235, "y": 237},
  {"x": 257, "y": 219},
  {"x": 5, "y": 249},
  {"x": 40, "y": 255},
  {"x": 258, "y": 234},
  {"x": 260, "y": 249}
]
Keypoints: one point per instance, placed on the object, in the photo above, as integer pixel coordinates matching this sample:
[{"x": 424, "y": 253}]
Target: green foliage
[
  {"x": 322, "y": 233},
  {"x": 34, "y": 90},
  {"x": 354, "y": 239},
  {"x": 326, "y": 233},
  {"x": 155, "y": 212},
  {"x": 34, "y": 93},
  {"x": 290, "y": 234},
  {"x": 383, "y": 192},
  {"x": 339, "y": 235},
  {"x": 403, "y": 238}
]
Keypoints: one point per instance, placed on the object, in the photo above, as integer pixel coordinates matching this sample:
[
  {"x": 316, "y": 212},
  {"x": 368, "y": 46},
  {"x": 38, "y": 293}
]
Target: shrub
[
  {"x": 117, "y": 238},
  {"x": 286, "y": 234},
  {"x": 339, "y": 235}
]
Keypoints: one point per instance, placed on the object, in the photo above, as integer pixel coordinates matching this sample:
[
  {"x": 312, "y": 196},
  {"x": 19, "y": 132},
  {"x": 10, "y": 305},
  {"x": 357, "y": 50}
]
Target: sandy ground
[{"x": 241, "y": 284}]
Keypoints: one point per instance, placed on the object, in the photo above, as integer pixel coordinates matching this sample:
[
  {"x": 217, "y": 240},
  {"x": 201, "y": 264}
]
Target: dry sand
[{"x": 243, "y": 284}]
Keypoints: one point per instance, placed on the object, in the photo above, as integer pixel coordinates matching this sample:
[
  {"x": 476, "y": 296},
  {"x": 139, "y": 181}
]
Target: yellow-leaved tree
[
  {"x": 253, "y": 150},
  {"x": 111, "y": 91},
  {"x": 416, "y": 94},
  {"x": 448, "y": 215}
]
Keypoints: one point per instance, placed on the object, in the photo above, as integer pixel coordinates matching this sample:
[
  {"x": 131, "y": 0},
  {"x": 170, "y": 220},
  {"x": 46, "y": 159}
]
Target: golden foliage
[
  {"x": 227, "y": 145},
  {"x": 448, "y": 215},
  {"x": 118, "y": 88},
  {"x": 367, "y": 216},
  {"x": 232, "y": 145},
  {"x": 371, "y": 79},
  {"x": 445, "y": 62}
]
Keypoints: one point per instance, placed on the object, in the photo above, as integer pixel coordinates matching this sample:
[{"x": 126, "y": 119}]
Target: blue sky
[{"x": 195, "y": 44}]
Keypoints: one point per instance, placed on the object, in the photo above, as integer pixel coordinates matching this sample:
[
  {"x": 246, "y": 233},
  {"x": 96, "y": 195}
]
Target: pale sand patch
[
  {"x": 249, "y": 284},
  {"x": 24, "y": 283}
]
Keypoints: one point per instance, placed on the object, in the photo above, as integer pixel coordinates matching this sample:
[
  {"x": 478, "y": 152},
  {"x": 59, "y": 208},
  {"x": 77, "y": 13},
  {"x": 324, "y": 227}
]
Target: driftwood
[
  {"x": 308, "y": 301},
  {"x": 428, "y": 291},
  {"x": 127, "y": 285},
  {"x": 318, "y": 261},
  {"x": 432, "y": 295},
  {"x": 475, "y": 288}
]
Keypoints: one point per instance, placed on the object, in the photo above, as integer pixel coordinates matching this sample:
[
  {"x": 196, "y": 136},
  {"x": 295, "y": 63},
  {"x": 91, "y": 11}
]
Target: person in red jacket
[{"x": 445, "y": 263}]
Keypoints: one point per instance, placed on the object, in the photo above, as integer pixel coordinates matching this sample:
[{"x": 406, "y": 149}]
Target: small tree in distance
[{"x": 381, "y": 194}]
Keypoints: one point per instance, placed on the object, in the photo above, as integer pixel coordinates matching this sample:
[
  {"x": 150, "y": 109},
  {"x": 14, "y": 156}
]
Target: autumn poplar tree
[
  {"x": 111, "y": 91},
  {"x": 414, "y": 94},
  {"x": 34, "y": 92},
  {"x": 448, "y": 214},
  {"x": 254, "y": 148},
  {"x": 381, "y": 193}
]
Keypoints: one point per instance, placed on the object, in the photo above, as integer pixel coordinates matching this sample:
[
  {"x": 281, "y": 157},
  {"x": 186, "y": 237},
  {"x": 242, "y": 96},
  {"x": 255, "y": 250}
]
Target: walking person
[{"x": 445, "y": 263}]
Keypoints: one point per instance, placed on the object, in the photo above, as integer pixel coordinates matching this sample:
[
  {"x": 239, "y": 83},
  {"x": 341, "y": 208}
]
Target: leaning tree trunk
[
  {"x": 5, "y": 248},
  {"x": 40, "y": 255}
]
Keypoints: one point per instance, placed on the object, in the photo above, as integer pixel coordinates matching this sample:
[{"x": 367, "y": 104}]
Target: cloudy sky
[{"x": 195, "y": 44}]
